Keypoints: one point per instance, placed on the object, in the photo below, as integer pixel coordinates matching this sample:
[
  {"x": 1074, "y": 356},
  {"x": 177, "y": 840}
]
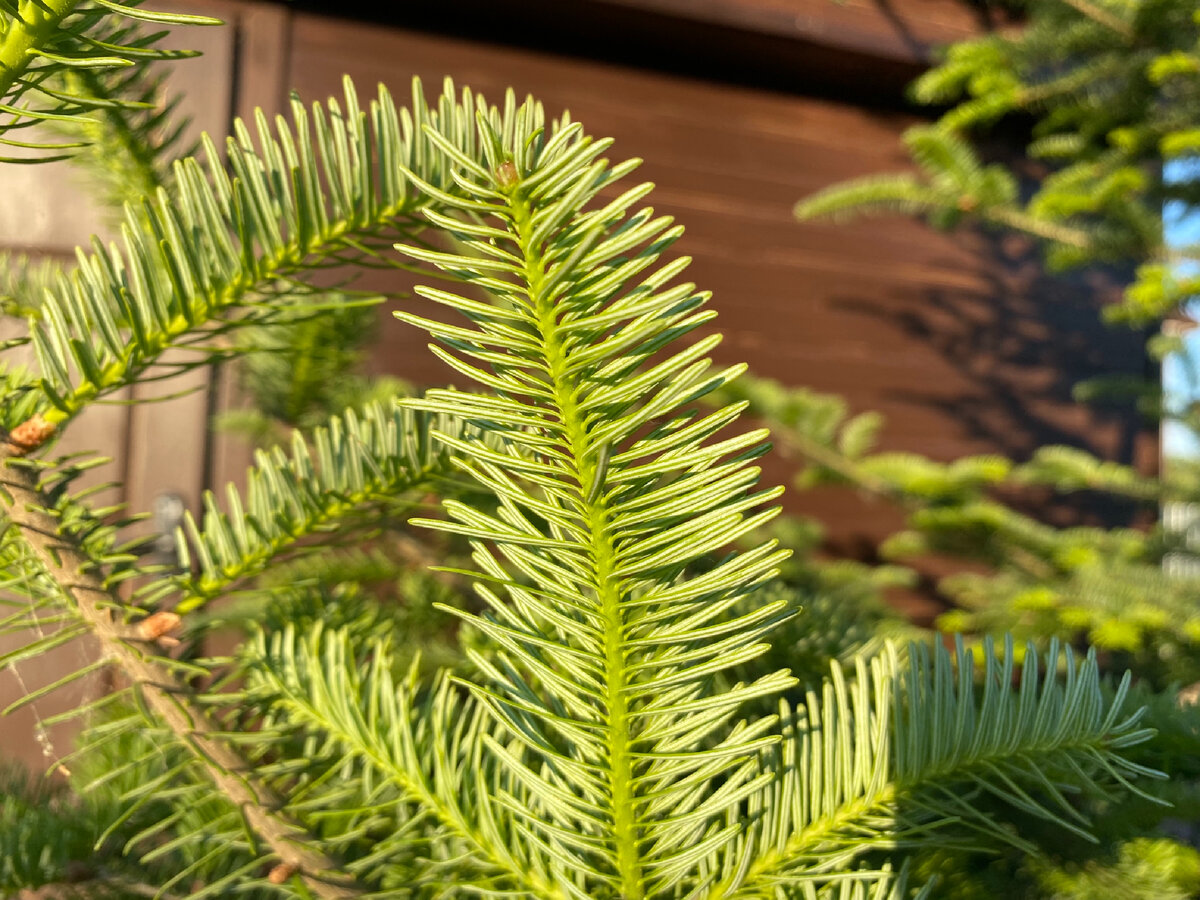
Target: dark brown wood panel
[
  {"x": 263, "y": 43},
  {"x": 905, "y": 30},
  {"x": 167, "y": 431},
  {"x": 862, "y": 49}
]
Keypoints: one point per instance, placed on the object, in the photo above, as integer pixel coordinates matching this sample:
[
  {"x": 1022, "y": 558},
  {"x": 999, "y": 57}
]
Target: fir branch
[
  {"x": 907, "y": 194},
  {"x": 1019, "y": 220},
  {"x": 891, "y": 759},
  {"x": 41, "y": 40},
  {"x": 839, "y": 464},
  {"x": 30, "y": 27},
  {"x": 607, "y": 661},
  {"x": 430, "y": 744},
  {"x": 74, "y": 572},
  {"x": 214, "y": 247},
  {"x": 24, "y": 282},
  {"x": 333, "y": 476}
]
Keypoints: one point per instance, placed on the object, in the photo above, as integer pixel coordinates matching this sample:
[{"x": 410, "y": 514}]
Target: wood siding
[{"x": 907, "y": 31}]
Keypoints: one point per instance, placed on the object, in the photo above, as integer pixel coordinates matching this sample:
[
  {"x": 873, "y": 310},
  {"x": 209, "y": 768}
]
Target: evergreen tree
[{"x": 606, "y": 738}]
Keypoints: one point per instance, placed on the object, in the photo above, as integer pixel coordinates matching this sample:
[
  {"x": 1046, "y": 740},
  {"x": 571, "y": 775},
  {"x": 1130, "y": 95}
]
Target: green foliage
[
  {"x": 349, "y": 472},
  {"x": 41, "y": 833},
  {"x": 49, "y": 52},
  {"x": 300, "y": 370},
  {"x": 1107, "y": 586},
  {"x": 1112, "y": 92},
  {"x": 606, "y": 735},
  {"x": 1109, "y": 91},
  {"x": 25, "y": 282},
  {"x": 1144, "y": 868},
  {"x": 218, "y": 244},
  {"x": 839, "y": 617}
]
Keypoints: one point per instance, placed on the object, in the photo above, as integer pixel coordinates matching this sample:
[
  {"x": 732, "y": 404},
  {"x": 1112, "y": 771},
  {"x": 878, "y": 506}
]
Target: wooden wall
[
  {"x": 959, "y": 340},
  {"x": 907, "y": 30}
]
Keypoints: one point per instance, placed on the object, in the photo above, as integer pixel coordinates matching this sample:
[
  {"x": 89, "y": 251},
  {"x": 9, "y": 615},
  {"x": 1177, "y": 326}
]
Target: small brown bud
[
  {"x": 507, "y": 175},
  {"x": 158, "y": 627},
  {"x": 30, "y": 435},
  {"x": 967, "y": 203},
  {"x": 281, "y": 873}
]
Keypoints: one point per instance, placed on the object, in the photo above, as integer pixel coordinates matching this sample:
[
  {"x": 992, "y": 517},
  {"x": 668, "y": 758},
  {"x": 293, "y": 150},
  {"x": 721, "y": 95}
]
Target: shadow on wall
[
  {"x": 1018, "y": 352},
  {"x": 1020, "y": 349}
]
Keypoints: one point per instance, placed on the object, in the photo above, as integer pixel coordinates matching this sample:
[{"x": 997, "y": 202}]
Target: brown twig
[{"x": 169, "y": 699}]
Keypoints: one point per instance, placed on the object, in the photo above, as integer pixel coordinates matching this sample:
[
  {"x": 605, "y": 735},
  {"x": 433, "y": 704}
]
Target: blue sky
[{"x": 1182, "y": 227}]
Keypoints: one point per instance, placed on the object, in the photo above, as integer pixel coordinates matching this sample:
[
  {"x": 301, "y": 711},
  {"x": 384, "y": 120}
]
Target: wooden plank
[
  {"x": 902, "y": 30},
  {"x": 264, "y": 33},
  {"x": 264, "y": 37},
  {"x": 168, "y": 425}
]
